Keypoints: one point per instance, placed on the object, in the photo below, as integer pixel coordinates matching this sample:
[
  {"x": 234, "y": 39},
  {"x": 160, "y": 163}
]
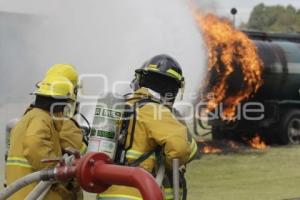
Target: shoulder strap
[
  {"x": 75, "y": 122},
  {"x": 138, "y": 104},
  {"x": 122, "y": 149}
]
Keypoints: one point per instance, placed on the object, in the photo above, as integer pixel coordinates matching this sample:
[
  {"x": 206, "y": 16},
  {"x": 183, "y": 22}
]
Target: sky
[{"x": 222, "y": 7}]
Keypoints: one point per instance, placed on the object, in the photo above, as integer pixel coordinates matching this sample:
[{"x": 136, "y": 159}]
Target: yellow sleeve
[
  {"x": 167, "y": 132},
  {"x": 38, "y": 143},
  {"x": 192, "y": 142},
  {"x": 70, "y": 135}
]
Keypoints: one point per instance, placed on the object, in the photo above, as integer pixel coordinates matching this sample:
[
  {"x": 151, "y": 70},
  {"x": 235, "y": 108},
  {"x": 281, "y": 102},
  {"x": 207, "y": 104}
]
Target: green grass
[{"x": 251, "y": 175}]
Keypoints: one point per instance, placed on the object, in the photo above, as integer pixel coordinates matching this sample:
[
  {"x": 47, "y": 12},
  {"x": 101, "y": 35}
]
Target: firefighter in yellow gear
[
  {"x": 70, "y": 134},
  {"x": 36, "y": 136},
  {"x": 156, "y": 127}
]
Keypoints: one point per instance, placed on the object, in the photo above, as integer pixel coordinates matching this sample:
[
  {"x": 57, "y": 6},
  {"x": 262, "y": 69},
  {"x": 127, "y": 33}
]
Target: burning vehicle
[{"x": 252, "y": 86}]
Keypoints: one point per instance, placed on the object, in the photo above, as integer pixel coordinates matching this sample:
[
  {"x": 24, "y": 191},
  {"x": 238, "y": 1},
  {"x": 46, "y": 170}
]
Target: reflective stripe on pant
[
  {"x": 18, "y": 161},
  {"x": 168, "y": 192},
  {"x": 133, "y": 154},
  {"x": 116, "y": 197}
]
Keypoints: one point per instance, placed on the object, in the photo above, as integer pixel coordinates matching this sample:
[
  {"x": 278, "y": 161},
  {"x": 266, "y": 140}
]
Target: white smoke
[
  {"x": 209, "y": 6},
  {"x": 111, "y": 37}
]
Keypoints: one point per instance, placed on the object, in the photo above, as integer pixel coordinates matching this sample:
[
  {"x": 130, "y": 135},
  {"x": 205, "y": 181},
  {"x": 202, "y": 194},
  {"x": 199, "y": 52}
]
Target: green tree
[{"x": 274, "y": 18}]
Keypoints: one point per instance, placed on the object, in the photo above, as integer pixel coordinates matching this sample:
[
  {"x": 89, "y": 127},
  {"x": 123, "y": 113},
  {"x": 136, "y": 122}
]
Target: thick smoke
[{"x": 110, "y": 37}]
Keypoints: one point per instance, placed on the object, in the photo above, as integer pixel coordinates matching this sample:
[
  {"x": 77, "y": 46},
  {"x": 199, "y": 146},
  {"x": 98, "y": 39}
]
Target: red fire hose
[{"x": 95, "y": 173}]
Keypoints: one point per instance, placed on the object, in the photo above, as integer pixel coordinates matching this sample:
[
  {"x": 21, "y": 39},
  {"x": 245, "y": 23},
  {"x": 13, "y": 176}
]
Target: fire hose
[
  {"x": 40, "y": 191},
  {"x": 95, "y": 173},
  {"x": 26, "y": 180}
]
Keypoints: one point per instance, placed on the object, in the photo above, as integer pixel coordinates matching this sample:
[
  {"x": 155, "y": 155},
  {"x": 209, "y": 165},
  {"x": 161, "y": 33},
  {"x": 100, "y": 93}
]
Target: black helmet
[{"x": 164, "y": 65}]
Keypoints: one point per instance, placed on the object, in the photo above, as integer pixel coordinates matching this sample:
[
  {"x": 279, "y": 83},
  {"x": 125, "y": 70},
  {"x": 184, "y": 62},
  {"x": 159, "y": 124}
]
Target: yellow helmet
[
  {"x": 65, "y": 70},
  {"x": 56, "y": 87}
]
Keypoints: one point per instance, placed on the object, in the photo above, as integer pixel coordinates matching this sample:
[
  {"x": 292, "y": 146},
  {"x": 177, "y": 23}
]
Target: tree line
[{"x": 274, "y": 19}]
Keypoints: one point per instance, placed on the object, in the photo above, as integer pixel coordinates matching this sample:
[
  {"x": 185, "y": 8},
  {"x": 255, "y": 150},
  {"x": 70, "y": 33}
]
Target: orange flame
[
  {"x": 257, "y": 143},
  {"x": 210, "y": 149},
  {"x": 229, "y": 51}
]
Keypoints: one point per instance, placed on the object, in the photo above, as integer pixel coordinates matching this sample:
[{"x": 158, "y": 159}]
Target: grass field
[{"x": 273, "y": 173}]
